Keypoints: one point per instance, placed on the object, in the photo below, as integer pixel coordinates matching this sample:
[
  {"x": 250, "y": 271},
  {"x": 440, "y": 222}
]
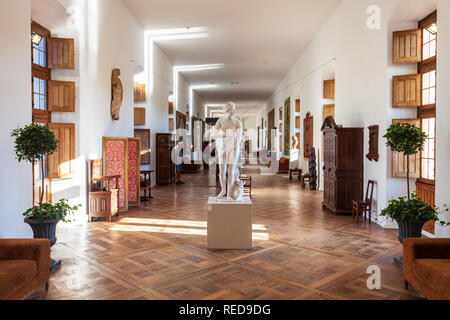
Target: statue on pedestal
[{"x": 228, "y": 136}]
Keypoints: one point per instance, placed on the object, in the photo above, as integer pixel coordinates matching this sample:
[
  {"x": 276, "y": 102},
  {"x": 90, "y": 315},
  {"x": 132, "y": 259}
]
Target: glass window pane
[
  {"x": 425, "y": 125},
  {"x": 426, "y": 80},
  {"x": 432, "y": 96},
  {"x": 43, "y": 87},
  {"x": 426, "y": 51},
  {"x": 433, "y": 48},
  {"x": 426, "y": 97},
  {"x": 432, "y": 150},
  {"x": 35, "y": 56},
  {"x": 424, "y": 168},
  {"x": 42, "y": 44},
  {"x": 36, "y": 85},
  {"x": 36, "y": 101},
  {"x": 433, "y": 78},
  {"x": 425, "y": 152},
  {"x": 42, "y": 59},
  {"x": 432, "y": 124},
  {"x": 42, "y": 103},
  {"x": 426, "y": 36},
  {"x": 431, "y": 169}
]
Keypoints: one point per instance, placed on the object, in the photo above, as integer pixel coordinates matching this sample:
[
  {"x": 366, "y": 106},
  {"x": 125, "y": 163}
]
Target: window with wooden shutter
[
  {"x": 407, "y": 46},
  {"x": 139, "y": 92},
  {"x": 61, "y": 53},
  {"x": 139, "y": 116},
  {"x": 61, "y": 96},
  {"x": 329, "y": 89},
  {"x": 60, "y": 164},
  {"x": 399, "y": 160},
  {"x": 407, "y": 91}
]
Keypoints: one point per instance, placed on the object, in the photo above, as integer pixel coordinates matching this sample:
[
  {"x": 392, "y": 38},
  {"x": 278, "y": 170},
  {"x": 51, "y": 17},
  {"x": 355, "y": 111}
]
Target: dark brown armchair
[
  {"x": 426, "y": 265},
  {"x": 24, "y": 265}
]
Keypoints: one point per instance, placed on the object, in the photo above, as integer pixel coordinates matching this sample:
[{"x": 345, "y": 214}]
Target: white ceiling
[{"x": 258, "y": 41}]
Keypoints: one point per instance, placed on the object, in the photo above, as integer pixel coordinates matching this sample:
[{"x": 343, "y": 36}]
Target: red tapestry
[
  {"x": 133, "y": 152},
  {"x": 115, "y": 165}
]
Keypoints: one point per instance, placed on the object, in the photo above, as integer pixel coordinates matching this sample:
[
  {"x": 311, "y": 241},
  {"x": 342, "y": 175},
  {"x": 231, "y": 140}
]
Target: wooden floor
[{"x": 158, "y": 251}]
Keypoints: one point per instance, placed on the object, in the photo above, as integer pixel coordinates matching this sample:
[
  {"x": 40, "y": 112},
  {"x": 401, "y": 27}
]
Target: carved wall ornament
[
  {"x": 116, "y": 93},
  {"x": 308, "y": 138},
  {"x": 373, "y": 143}
]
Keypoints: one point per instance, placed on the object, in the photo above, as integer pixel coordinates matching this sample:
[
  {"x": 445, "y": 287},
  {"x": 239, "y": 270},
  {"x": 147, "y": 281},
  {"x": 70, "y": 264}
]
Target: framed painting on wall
[
  {"x": 144, "y": 135},
  {"x": 287, "y": 126},
  {"x": 181, "y": 121}
]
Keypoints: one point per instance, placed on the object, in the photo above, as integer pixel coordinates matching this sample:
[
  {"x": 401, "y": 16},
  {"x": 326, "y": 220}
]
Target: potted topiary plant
[
  {"x": 410, "y": 212},
  {"x": 32, "y": 143}
]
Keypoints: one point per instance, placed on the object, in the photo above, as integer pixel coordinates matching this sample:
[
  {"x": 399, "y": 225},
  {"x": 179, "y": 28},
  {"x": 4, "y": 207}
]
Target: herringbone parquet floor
[{"x": 158, "y": 251}]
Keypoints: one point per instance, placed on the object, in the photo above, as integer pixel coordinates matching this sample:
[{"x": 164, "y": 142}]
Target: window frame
[
  {"x": 43, "y": 73},
  {"x": 429, "y": 110}
]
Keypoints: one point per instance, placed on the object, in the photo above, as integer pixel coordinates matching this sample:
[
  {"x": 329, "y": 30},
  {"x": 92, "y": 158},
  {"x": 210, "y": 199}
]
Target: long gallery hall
[{"x": 224, "y": 150}]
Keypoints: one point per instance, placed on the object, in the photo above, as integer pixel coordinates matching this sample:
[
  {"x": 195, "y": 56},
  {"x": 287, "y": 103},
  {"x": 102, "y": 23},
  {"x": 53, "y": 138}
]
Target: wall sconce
[{"x": 35, "y": 38}]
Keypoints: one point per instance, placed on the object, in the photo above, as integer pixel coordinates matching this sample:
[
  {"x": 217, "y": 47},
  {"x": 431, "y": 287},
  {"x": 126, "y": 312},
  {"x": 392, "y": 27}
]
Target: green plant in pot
[
  {"x": 410, "y": 212},
  {"x": 33, "y": 143}
]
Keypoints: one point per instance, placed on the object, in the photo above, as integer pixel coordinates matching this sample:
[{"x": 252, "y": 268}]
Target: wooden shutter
[
  {"x": 37, "y": 187},
  {"x": 297, "y": 105},
  {"x": 407, "y": 46},
  {"x": 139, "y": 92},
  {"x": 328, "y": 111},
  {"x": 139, "y": 116},
  {"x": 61, "y": 53},
  {"x": 399, "y": 161},
  {"x": 61, "y": 96},
  {"x": 407, "y": 91},
  {"x": 61, "y": 162},
  {"x": 329, "y": 89}
]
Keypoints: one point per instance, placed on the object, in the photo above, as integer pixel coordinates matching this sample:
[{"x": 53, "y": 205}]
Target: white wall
[
  {"x": 161, "y": 83},
  {"x": 361, "y": 61},
  {"x": 106, "y": 36},
  {"x": 443, "y": 114},
  {"x": 15, "y": 103},
  {"x": 358, "y": 59}
]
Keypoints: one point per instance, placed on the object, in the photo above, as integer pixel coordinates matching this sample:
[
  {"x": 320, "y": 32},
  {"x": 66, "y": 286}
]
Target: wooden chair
[
  {"x": 247, "y": 186},
  {"x": 365, "y": 206},
  {"x": 103, "y": 199},
  {"x": 304, "y": 179}
]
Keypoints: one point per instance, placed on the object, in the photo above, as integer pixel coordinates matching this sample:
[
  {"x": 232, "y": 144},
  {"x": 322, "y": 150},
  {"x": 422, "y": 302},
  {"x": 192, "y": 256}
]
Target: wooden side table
[
  {"x": 146, "y": 184},
  {"x": 296, "y": 171}
]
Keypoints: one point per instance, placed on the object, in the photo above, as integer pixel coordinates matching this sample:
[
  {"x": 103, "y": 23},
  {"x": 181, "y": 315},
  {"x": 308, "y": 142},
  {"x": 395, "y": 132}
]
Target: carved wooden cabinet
[
  {"x": 343, "y": 166},
  {"x": 165, "y": 169}
]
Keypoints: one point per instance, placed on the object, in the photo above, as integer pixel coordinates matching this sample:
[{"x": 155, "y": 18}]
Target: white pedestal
[{"x": 229, "y": 224}]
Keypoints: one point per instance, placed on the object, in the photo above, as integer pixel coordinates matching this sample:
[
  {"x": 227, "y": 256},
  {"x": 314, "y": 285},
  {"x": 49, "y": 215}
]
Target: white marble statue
[{"x": 228, "y": 136}]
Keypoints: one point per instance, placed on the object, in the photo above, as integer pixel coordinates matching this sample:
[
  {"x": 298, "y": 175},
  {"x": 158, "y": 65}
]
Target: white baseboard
[{"x": 428, "y": 235}]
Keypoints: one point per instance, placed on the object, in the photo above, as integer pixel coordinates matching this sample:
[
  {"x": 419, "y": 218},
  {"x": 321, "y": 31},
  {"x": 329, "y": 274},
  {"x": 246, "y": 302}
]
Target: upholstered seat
[
  {"x": 434, "y": 272},
  {"x": 426, "y": 265},
  {"x": 15, "y": 274},
  {"x": 24, "y": 265}
]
